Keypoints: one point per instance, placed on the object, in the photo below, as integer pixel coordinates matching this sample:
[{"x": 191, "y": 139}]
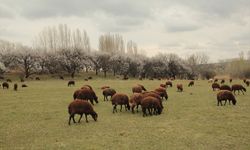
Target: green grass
[{"x": 36, "y": 118}]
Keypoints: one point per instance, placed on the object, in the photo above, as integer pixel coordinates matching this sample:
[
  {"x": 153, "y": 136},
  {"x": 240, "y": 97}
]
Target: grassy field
[{"x": 36, "y": 118}]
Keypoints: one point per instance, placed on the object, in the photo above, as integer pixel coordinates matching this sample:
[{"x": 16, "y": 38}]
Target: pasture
[{"x": 36, "y": 117}]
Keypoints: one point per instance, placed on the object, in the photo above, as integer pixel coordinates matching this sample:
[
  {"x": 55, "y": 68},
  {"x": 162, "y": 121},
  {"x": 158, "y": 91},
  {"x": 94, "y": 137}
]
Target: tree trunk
[
  {"x": 96, "y": 71},
  {"x": 72, "y": 74},
  {"x": 105, "y": 74}
]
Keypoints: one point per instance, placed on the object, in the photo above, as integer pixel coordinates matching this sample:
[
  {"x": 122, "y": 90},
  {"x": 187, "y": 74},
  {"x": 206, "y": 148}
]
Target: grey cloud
[
  {"x": 6, "y": 12},
  {"x": 182, "y": 28}
]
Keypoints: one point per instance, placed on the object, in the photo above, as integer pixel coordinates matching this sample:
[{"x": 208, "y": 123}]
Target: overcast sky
[{"x": 221, "y": 28}]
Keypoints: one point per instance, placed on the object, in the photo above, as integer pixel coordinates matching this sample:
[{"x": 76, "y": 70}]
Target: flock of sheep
[{"x": 150, "y": 101}]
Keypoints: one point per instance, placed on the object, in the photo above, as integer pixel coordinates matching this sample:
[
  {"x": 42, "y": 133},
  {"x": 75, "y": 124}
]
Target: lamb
[
  {"x": 215, "y": 86},
  {"x": 162, "y": 92},
  {"x": 169, "y": 83},
  {"x": 105, "y": 87},
  {"x": 120, "y": 99},
  {"x": 238, "y": 87},
  {"x": 230, "y": 80},
  {"x": 149, "y": 103},
  {"x": 71, "y": 83},
  {"x": 191, "y": 83},
  {"x": 108, "y": 92},
  {"x": 86, "y": 94},
  {"x": 179, "y": 87},
  {"x": 225, "y": 95},
  {"x": 15, "y": 87},
  {"x": 81, "y": 107},
  {"x": 5, "y": 85},
  {"x": 225, "y": 87},
  {"x": 222, "y": 81}
]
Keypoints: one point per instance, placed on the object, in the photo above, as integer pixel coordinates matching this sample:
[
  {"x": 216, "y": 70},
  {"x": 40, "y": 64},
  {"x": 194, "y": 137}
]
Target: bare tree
[{"x": 111, "y": 44}]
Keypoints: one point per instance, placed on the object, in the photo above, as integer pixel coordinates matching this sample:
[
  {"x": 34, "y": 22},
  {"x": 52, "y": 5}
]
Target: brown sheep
[
  {"x": 87, "y": 87},
  {"x": 90, "y": 78},
  {"x": 215, "y": 86},
  {"x": 86, "y": 94},
  {"x": 215, "y": 80},
  {"x": 108, "y": 92},
  {"x": 163, "y": 85},
  {"x": 150, "y": 103},
  {"x": 70, "y": 83},
  {"x": 22, "y": 80},
  {"x": 105, "y": 87},
  {"x": 120, "y": 99},
  {"x": 179, "y": 87},
  {"x": 61, "y": 77},
  {"x": 81, "y": 107},
  {"x": 8, "y": 80},
  {"x": 85, "y": 79},
  {"x": 143, "y": 88},
  {"x": 5, "y": 85},
  {"x": 169, "y": 83},
  {"x": 135, "y": 100},
  {"x": 136, "y": 89},
  {"x": 230, "y": 80},
  {"x": 225, "y": 95},
  {"x": 244, "y": 80},
  {"x": 225, "y": 87},
  {"x": 24, "y": 85},
  {"x": 15, "y": 87},
  {"x": 222, "y": 81},
  {"x": 247, "y": 82},
  {"x": 238, "y": 87},
  {"x": 191, "y": 83},
  {"x": 37, "y": 78},
  {"x": 156, "y": 95},
  {"x": 162, "y": 92}
]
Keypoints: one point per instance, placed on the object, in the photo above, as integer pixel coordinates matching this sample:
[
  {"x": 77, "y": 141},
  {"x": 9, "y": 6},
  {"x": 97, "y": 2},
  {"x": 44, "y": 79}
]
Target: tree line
[{"x": 61, "y": 50}]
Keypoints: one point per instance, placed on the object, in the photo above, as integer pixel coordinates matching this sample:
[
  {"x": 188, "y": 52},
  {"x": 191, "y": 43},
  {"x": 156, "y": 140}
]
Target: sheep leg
[
  {"x": 149, "y": 111},
  {"x": 91, "y": 101},
  {"x": 137, "y": 108},
  {"x": 86, "y": 117},
  {"x": 114, "y": 108},
  {"x": 69, "y": 119},
  {"x": 144, "y": 112},
  {"x": 225, "y": 102},
  {"x": 218, "y": 103},
  {"x": 238, "y": 92},
  {"x": 121, "y": 109},
  {"x": 242, "y": 92},
  {"x": 73, "y": 116},
  {"x": 104, "y": 98},
  {"x": 229, "y": 102},
  {"x": 80, "y": 118}
]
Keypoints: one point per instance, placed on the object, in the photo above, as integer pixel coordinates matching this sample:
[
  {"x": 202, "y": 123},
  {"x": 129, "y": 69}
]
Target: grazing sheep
[
  {"x": 154, "y": 94},
  {"x": 179, "y": 87},
  {"x": 191, "y": 83},
  {"x": 172, "y": 78},
  {"x": 125, "y": 77},
  {"x": 225, "y": 95},
  {"x": 5, "y": 85},
  {"x": 37, "y": 78},
  {"x": 87, "y": 87},
  {"x": 222, "y": 81},
  {"x": 81, "y": 107},
  {"x": 22, "y": 80},
  {"x": 163, "y": 85},
  {"x": 244, "y": 80},
  {"x": 135, "y": 100},
  {"x": 61, "y": 77},
  {"x": 8, "y": 80},
  {"x": 247, "y": 82},
  {"x": 24, "y": 85},
  {"x": 108, "y": 92},
  {"x": 225, "y": 87},
  {"x": 138, "y": 88},
  {"x": 238, "y": 87},
  {"x": 169, "y": 83},
  {"x": 85, "y": 79},
  {"x": 162, "y": 92},
  {"x": 90, "y": 78},
  {"x": 86, "y": 94},
  {"x": 215, "y": 86},
  {"x": 1, "y": 78},
  {"x": 120, "y": 99},
  {"x": 15, "y": 87},
  {"x": 71, "y": 83},
  {"x": 150, "y": 103},
  {"x": 215, "y": 80},
  {"x": 105, "y": 87},
  {"x": 230, "y": 80},
  {"x": 140, "y": 78},
  {"x": 159, "y": 78},
  {"x": 151, "y": 78}
]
